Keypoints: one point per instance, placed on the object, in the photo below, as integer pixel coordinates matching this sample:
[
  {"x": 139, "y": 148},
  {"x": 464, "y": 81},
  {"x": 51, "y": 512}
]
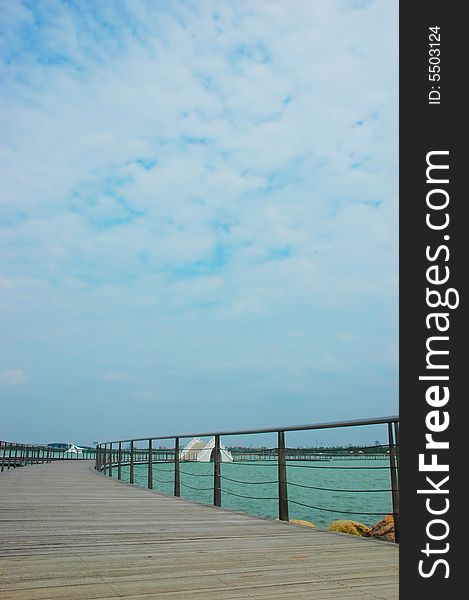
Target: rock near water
[
  {"x": 301, "y": 522},
  {"x": 351, "y": 527},
  {"x": 383, "y": 530}
]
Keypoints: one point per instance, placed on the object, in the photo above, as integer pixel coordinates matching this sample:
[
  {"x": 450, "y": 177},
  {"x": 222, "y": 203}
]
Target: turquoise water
[{"x": 258, "y": 480}]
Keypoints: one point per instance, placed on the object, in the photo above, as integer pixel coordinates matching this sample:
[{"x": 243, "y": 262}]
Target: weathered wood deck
[{"x": 68, "y": 533}]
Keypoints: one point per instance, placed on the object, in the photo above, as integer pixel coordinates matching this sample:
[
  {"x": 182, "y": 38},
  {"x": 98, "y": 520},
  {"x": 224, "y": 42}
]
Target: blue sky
[{"x": 198, "y": 218}]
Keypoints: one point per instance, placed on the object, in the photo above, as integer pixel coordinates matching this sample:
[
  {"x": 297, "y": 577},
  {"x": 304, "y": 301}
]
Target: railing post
[
  {"x": 9, "y": 456},
  {"x": 177, "y": 476},
  {"x": 282, "y": 479},
  {"x": 13, "y": 455},
  {"x": 119, "y": 462},
  {"x": 131, "y": 466},
  {"x": 4, "y": 455},
  {"x": 394, "y": 482},
  {"x": 396, "y": 440},
  {"x": 150, "y": 465},
  {"x": 26, "y": 457},
  {"x": 110, "y": 460},
  {"x": 217, "y": 473}
]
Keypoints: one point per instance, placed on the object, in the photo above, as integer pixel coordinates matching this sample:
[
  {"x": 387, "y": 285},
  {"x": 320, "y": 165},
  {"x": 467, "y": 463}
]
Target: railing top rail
[
  {"x": 26, "y": 445},
  {"x": 327, "y": 425}
]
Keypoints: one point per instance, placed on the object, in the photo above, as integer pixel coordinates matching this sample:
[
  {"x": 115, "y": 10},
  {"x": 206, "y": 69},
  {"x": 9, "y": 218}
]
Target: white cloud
[
  {"x": 114, "y": 377},
  {"x": 12, "y": 377},
  {"x": 152, "y": 168}
]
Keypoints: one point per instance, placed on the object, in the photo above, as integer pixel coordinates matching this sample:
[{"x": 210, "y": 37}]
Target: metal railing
[
  {"x": 14, "y": 454},
  {"x": 116, "y": 454}
]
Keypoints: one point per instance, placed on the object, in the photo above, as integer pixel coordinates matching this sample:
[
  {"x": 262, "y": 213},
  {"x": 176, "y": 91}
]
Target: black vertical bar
[
  {"x": 217, "y": 472},
  {"x": 131, "y": 467},
  {"x": 119, "y": 462},
  {"x": 177, "y": 476},
  {"x": 9, "y": 456},
  {"x": 282, "y": 479},
  {"x": 150, "y": 465},
  {"x": 110, "y": 460},
  {"x": 394, "y": 482},
  {"x": 4, "y": 455},
  {"x": 433, "y": 239}
]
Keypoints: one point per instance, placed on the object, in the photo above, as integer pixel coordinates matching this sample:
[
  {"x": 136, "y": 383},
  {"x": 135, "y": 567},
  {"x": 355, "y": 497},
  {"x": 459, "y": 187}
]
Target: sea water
[{"x": 358, "y": 490}]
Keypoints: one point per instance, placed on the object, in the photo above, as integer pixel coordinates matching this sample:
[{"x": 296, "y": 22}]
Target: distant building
[{"x": 69, "y": 448}]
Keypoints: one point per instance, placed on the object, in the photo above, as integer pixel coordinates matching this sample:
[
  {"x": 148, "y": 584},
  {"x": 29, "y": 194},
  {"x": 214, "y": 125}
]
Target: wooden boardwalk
[{"x": 68, "y": 533}]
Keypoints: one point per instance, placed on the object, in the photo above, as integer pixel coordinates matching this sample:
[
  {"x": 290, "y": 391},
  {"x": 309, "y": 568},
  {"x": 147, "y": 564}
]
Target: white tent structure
[
  {"x": 206, "y": 454},
  {"x": 72, "y": 449},
  {"x": 198, "y": 450},
  {"x": 192, "y": 450}
]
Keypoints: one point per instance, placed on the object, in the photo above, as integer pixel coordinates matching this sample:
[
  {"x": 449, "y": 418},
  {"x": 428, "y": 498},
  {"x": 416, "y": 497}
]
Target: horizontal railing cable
[
  {"x": 248, "y": 482},
  {"x": 336, "y": 467},
  {"x": 191, "y": 487},
  {"x": 163, "y": 480},
  {"x": 342, "y": 512},
  {"x": 231, "y": 493},
  {"x": 312, "y": 487}
]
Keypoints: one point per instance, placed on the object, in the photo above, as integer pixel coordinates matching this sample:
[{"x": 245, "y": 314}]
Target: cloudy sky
[{"x": 198, "y": 215}]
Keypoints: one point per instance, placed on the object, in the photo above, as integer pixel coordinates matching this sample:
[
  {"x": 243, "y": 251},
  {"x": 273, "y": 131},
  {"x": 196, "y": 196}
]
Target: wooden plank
[{"x": 67, "y": 532}]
